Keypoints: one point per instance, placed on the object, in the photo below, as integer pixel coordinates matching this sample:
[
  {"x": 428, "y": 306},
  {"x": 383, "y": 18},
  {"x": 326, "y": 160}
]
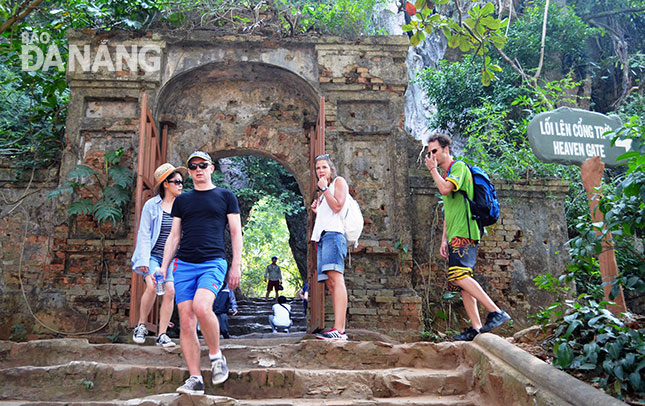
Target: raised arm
[{"x": 336, "y": 201}]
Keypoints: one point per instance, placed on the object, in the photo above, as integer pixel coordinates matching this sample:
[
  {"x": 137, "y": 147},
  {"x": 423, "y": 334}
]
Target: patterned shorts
[{"x": 462, "y": 254}]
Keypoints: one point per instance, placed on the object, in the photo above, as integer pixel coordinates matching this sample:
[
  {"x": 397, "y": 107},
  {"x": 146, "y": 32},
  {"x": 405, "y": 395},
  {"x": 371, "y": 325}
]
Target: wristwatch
[{"x": 322, "y": 189}]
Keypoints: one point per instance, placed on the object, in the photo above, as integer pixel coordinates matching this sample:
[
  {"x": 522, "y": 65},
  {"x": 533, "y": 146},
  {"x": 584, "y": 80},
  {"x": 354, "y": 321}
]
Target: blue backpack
[{"x": 484, "y": 207}]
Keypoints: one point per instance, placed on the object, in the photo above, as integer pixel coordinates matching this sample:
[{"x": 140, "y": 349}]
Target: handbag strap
[{"x": 286, "y": 308}]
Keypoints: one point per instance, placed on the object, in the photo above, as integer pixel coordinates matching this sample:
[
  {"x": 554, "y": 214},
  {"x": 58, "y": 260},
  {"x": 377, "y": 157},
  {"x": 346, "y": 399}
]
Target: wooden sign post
[{"x": 573, "y": 136}]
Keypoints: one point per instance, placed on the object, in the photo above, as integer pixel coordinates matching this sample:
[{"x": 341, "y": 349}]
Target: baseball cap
[{"x": 199, "y": 154}]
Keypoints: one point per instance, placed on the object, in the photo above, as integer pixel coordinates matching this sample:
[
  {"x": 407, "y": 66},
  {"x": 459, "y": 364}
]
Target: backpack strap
[{"x": 467, "y": 200}]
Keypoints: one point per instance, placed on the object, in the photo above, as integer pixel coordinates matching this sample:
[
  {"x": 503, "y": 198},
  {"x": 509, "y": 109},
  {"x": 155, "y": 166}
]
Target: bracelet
[
  {"x": 322, "y": 189},
  {"x": 434, "y": 167}
]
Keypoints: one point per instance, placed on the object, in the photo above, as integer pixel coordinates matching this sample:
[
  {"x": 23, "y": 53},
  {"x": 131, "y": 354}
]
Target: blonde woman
[{"x": 329, "y": 234}]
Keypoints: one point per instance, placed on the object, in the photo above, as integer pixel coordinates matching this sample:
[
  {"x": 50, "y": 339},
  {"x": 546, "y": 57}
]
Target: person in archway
[
  {"x": 281, "y": 317},
  {"x": 274, "y": 275},
  {"x": 329, "y": 234},
  {"x": 200, "y": 217},
  {"x": 154, "y": 228},
  {"x": 458, "y": 244}
]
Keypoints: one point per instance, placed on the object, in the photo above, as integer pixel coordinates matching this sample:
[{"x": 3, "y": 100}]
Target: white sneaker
[
  {"x": 192, "y": 386},
  {"x": 139, "y": 335},
  {"x": 165, "y": 341},
  {"x": 219, "y": 370},
  {"x": 332, "y": 335}
]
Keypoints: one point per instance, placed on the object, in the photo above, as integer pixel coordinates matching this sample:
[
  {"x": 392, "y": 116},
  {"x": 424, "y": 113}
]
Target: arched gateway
[{"x": 248, "y": 95}]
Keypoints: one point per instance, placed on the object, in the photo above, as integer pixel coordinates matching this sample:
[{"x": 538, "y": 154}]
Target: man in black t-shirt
[{"x": 200, "y": 268}]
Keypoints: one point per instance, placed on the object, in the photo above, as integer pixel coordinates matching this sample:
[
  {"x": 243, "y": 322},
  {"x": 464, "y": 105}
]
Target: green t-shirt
[{"x": 454, "y": 207}]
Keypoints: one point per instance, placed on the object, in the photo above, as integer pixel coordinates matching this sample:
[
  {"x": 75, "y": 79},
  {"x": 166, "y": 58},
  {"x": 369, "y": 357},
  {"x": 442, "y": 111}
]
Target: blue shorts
[
  {"x": 155, "y": 262},
  {"x": 332, "y": 250},
  {"x": 191, "y": 276}
]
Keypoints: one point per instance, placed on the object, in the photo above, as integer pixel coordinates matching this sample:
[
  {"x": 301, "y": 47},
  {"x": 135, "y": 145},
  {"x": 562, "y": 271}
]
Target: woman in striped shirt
[{"x": 154, "y": 229}]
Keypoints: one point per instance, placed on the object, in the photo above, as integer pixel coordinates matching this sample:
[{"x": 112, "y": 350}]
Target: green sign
[{"x": 571, "y": 136}]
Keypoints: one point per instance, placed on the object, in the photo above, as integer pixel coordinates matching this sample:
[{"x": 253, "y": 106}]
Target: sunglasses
[
  {"x": 202, "y": 165},
  {"x": 176, "y": 182},
  {"x": 434, "y": 151}
]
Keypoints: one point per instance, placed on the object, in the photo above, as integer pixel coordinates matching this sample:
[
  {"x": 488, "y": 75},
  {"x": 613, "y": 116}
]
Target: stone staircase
[
  {"x": 252, "y": 319},
  {"x": 273, "y": 371}
]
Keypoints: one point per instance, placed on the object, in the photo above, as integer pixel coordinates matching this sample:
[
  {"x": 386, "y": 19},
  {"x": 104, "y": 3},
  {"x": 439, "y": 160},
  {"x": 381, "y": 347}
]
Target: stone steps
[
  {"x": 85, "y": 380},
  {"x": 270, "y": 372},
  {"x": 277, "y": 352},
  {"x": 253, "y": 317},
  {"x": 281, "y": 371},
  {"x": 172, "y": 399}
]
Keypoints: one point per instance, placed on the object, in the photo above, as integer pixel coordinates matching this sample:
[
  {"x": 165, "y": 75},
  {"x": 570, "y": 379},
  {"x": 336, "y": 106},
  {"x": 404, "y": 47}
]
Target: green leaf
[
  {"x": 491, "y": 22},
  {"x": 453, "y": 40},
  {"x": 83, "y": 206},
  {"x": 113, "y": 157},
  {"x": 486, "y": 78},
  {"x": 104, "y": 212},
  {"x": 575, "y": 324},
  {"x": 635, "y": 380},
  {"x": 65, "y": 189},
  {"x": 614, "y": 349},
  {"x": 81, "y": 171},
  {"x": 564, "y": 355},
  {"x": 608, "y": 366},
  {"x": 117, "y": 195},
  {"x": 122, "y": 176},
  {"x": 414, "y": 40},
  {"x": 464, "y": 44},
  {"x": 488, "y": 8},
  {"x": 628, "y": 361}
]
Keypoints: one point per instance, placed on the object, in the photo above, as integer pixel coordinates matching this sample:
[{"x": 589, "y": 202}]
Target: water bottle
[{"x": 160, "y": 289}]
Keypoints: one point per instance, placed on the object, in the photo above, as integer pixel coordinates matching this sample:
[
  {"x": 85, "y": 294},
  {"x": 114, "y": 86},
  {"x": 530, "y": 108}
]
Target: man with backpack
[{"x": 461, "y": 235}]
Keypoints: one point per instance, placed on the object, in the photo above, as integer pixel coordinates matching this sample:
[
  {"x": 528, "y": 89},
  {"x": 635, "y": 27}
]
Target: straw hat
[{"x": 165, "y": 170}]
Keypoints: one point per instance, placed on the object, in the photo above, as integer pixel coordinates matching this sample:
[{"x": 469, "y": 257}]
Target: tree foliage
[
  {"x": 266, "y": 235},
  {"x": 265, "y": 177},
  {"x": 475, "y": 31}
]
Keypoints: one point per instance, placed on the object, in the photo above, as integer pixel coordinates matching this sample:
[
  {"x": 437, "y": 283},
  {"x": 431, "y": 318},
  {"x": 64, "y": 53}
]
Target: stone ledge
[{"x": 556, "y": 383}]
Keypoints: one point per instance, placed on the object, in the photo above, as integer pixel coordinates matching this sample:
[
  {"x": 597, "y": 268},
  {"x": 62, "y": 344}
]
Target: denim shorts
[
  {"x": 155, "y": 262},
  {"x": 191, "y": 276},
  {"x": 332, "y": 250}
]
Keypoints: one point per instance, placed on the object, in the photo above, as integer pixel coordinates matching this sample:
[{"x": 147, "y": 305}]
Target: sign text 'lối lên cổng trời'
[{"x": 571, "y": 136}]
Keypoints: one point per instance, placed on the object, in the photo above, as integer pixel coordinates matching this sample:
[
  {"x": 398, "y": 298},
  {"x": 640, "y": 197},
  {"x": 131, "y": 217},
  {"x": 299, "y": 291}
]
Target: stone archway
[
  {"x": 242, "y": 95},
  {"x": 241, "y": 108},
  {"x": 245, "y": 109}
]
